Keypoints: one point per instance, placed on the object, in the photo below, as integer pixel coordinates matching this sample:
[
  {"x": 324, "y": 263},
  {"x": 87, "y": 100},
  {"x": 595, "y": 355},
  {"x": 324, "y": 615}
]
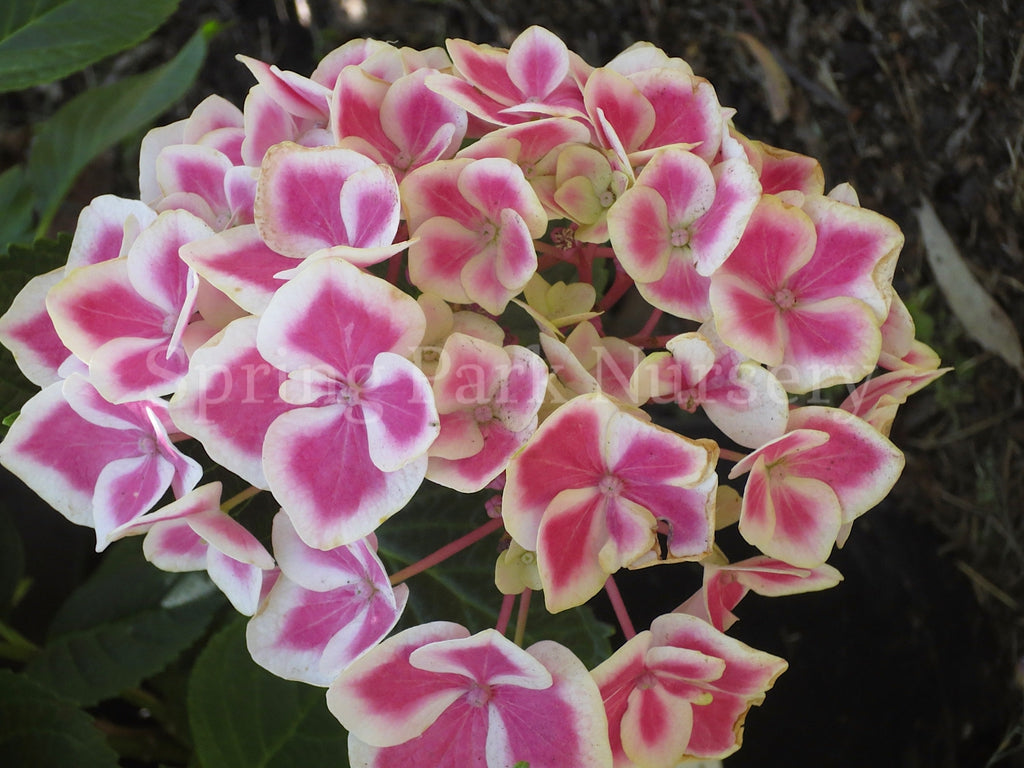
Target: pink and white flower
[{"x": 436, "y": 695}]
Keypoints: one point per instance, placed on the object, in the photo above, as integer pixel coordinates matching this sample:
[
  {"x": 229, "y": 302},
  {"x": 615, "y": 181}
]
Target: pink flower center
[
  {"x": 680, "y": 237},
  {"x": 147, "y": 446},
  {"x": 646, "y": 681},
  {"x": 606, "y": 198},
  {"x": 478, "y": 695},
  {"x": 688, "y": 399},
  {"x": 488, "y": 231},
  {"x": 483, "y": 413},
  {"x": 610, "y": 485},
  {"x": 784, "y": 298}
]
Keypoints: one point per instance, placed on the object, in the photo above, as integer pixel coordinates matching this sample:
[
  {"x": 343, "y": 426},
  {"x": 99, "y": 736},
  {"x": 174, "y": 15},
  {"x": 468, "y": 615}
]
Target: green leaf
[
  {"x": 98, "y": 119},
  {"x": 244, "y": 717},
  {"x": 12, "y": 560},
  {"x": 39, "y": 729},
  {"x": 461, "y": 589},
  {"x": 140, "y": 621},
  {"x": 16, "y": 203},
  {"x": 44, "y": 40}
]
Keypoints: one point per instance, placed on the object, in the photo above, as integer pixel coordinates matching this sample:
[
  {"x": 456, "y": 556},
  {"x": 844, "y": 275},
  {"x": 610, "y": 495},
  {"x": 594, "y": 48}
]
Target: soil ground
[{"x": 916, "y": 659}]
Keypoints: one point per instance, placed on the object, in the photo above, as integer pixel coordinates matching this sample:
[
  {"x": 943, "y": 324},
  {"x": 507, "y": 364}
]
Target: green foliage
[
  {"x": 127, "y": 622},
  {"x": 39, "y": 729},
  {"x": 44, "y": 40},
  {"x": 98, "y": 119},
  {"x": 244, "y": 717},
  {"x": 16, "y": 203},
  {"x": 462, "y": 588},
  {"x": 12, "y": 561}
]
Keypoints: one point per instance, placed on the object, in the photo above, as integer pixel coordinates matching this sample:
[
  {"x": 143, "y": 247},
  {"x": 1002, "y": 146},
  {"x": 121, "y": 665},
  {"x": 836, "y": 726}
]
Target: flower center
[
  {"x": 784, "y": 298},
  {"x": 606, "y": 198},
  {"x": 403, "y": 160},
  {"x": 680, "y": 237},
  {"x": 478, "y": 695},
  {"x": 483, "y": 413},
  {"x": 610, "y": 485},
  {"x": 147, "y": 446},
  {"x": 488, "y": 231}
]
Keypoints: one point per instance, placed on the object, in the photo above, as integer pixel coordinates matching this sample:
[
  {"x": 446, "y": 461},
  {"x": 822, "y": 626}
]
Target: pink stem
[
  {"x": 620, "y": 608},
  {"x": 505, "y": 614},
  {"x": 524, "y": 611},
  {"x": 617, "y": 290},
  {"x": 446, "y": 551}
]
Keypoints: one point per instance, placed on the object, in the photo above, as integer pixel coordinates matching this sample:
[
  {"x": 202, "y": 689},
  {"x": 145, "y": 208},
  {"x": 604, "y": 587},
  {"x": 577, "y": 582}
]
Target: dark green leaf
[
  {"x": 12, "y": 560},
  {"x": 462, "y": 589},
  {"x": 99, "y": 118},
  {"x": 127, "y": 622},
  {"x": 244, "y": 717},
  {"x": 44, "y": 40},
  {"x": 40, "y": 730},
  {"x": 16, "y": 203}
]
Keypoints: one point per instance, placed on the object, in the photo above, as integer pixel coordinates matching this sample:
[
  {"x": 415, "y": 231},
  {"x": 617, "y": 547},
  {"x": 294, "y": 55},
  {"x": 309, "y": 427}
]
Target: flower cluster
[{"x": 409, "y": 266}]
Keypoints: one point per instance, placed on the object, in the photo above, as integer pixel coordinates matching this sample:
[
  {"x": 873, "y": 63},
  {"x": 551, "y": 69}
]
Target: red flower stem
[
  {"x": 505, "y": 614},
  {"x": 238, "y": 498},
  {"x": 394, "y": 268},
  {"x": 732, "y": 456},
  {"x": 524, "y": 612},
  {"x": 650, "y": 325},
  {"x": 620, "y": 608},
  {"x": 446, "y": 551},
  {"x": 621, "y": 283}
]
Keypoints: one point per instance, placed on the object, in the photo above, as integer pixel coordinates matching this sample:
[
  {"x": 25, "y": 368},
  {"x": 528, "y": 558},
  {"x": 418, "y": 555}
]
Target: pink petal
[
  {"x": 398, "y": 407},
  {"x": 640, "y": 233},
  {"x": 716, "y": 233},
  {"x": 494, "y": 184},
  {"x": 97, "y": 303},
  {"x": 299, "y": 95},
  {"x": 27, "y": 331},
  {"x": 564, "y": 453},
  {"x": 686, "y": 111},
  {"x": 438, "y": 255},
  {"x": 834, "y": 341},
  {"x": 155, "y": 269},
  {"x": 59, "y": 455},
  {"x": 793, "y": 519},
  {"x": 384, "y": 700},
  {"x": 240, "y": 582},
  {"x": 306, "y": 635},
  {"x": 171, "y": 545},
  {"x": 331, "y": 508},
  {"x": 355, "y": 109},
  {"x": 656, "y": 727},
  {"x": 196, "y": 169},
  {"x": 573, "y": 574},
  {"x": 622, "y": 106},
  {"x": 855, "y": 254},
  {"x": 858, "y": 463},
  {"x": 240, "y": 264},
  {"x": 322, "y": 571},
  {"x": 333, "y": 314},
  {"x": 486, "y": 68},
  {"x": 415, "y": 118},
  {"x": 369, "y": 207},
  {"x": 297, "y": 204},
  {"x": 537, "y": 63},
  {"x": 106, "y": 228},
  {"x": 125, "y": 489},
  {"x": 229, "y": 398}
]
